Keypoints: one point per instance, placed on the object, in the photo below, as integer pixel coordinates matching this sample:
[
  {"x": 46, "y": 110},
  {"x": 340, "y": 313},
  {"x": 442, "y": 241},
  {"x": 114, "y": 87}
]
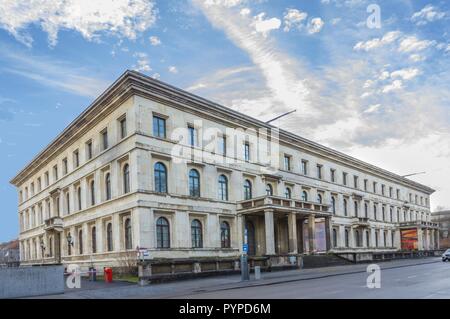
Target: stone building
[
  {"x": 150, "y": 166},
  {"x": 442, "y": 218}
]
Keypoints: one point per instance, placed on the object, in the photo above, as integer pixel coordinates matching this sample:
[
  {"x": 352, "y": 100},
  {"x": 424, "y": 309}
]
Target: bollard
[
  {"x": 245, "y": 273},
  {"x": 257, "y": 272}
]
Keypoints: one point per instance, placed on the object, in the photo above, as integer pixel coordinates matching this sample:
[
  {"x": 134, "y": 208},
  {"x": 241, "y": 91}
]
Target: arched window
[
  {"x": 333, "y": 204},
  {"x": 390, "y": 214},
  {"x": 367, "y": 239},
  {"x": 92, "y": 193},
  {"x": 225, "y": 235},
  {"x": 194, "y": 183},
  {"x": 358, "y": 243},
  {"x": 334, "y": 237},
  {"x": 269, "y": 190},
  {"x": 383, "y": 215},
  {"x": 345, "y": 208},
  {"x": 126, "y": 179},
  {"x": 196, "y": 234},
  {"x": 80, "y": 242},
  {"x": 223, "y": 187},
  {"x": 108, "y": 186},
  {"x": 94, "y": 239},
  {"x": 319, "y": 198},
  {"x": 355, "y": 203},
  {"x": 304, "y": 196},
  {"x": 288, "y": 193},
  {"x": 160, "y": 172},
  {"x": 346, "y": 238},
  {"x": 79, "y": 197},
  {"x": 109, "y": 237},
  {"x": 128, "y": 235},
  {"x": 162, "y": 233},
  {"x": 247, "y": 190},
  {"x": 375, "y": 212},
  {"x": 366, "y": 210}
]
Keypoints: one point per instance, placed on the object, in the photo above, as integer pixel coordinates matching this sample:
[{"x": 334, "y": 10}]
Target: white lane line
[{"x": 413, "y": 276}]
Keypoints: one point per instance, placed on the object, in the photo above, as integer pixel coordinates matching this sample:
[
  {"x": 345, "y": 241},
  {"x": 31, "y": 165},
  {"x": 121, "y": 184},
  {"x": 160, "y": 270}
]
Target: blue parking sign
[{"x": 245, "y": 248}]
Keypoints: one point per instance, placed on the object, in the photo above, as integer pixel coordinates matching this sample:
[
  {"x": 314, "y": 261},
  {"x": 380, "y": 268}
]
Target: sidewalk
[{"x": 202, "y": 285}]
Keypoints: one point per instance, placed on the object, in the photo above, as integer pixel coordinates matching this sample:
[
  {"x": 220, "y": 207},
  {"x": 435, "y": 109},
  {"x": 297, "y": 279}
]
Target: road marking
[{"x": 413, "y": 276}]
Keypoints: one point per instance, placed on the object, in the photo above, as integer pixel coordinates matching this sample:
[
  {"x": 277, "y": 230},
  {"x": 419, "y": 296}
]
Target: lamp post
[{"x": 69, "y": 243}]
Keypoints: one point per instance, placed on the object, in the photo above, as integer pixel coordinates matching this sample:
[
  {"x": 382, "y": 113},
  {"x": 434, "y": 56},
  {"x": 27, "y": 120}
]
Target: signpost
[{"x": 245, "y": 273}]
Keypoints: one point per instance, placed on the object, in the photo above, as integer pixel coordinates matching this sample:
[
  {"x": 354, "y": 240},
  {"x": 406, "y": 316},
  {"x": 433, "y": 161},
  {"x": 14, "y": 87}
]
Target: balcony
[
  {"x": 361, "y": 221},
  {"x": 54, "y": 223},
  {"x": 282, "y": 204},
  {"x": 419, "y": 223}
]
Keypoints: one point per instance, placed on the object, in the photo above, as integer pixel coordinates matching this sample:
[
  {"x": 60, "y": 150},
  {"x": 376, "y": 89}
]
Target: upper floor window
[
  {"x": 159, "y": 127},
  {"x": 345, "y": 208},
  {"x": 247, "y": 152},
  {"x": 415, "y": 200},
  {"x": 194, "y": 183},
  {"x": 365, "y": 185},
  {"x": 383, "y": 189},
  {"x": 247, "y": 189},
  {"x": 398, "y": 194},
  {"x": 288, "y": 193},
  {"x": 109, "y": 237},
  {"x": 366, "y": 210},
  {"x": 65, "y": 166},
  {"x": 123, "y": 127},
  {"x": 47, "y": 179},
  {"x": 89, "y": 150},
  {"x": 162, "y": 233},
  {"x": 223, "y": 187},
  {"x": 344, "y": 178},
  {"x": 390, "y": 192},
  {"x": 192, "y": 135},
  {"x": 108, "y": 186},
  {"x": 55, "y": 173},
  {"x": 76, "y": 159},
  {"x": 305, "y": 196},
  {"x": 319, "y": 198},
  {"x": 79, "y": 197},
  {"x": 94, "y": 239},
  {"x": 355, "y": 203},
  {"x": 225, "y": 235},
  {"x": 374, "y": 187},
  {"x": 333, "y": 204},
  {"x": 222, "y": 146},
  {"x": 92, "y": 191},
  {"x": 269, "y": 190},
  {"x": 126, "y": 179},
  {"x": 304, "y": 167},
  {"x": 287, "y": 162},
  {"x": 128, "y": 234},
  {"x": 332, "y": 175},
  {"x": 104, "y": 135},
  {"x": 319, "y": 171},
  {"x": 160, "y": 172},
  {"x": 39, "y": 184},
  {"x": 355, "y": 182},
  {"x": 410, "y": 197},
  {"x": 375, "y": 211},
  {"x": 32, "y": 189},
  {"x": 196, "y": 234}
]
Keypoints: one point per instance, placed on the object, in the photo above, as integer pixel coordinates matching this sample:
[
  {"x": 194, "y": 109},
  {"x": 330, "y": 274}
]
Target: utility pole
[{"x": 280, "y": 116}]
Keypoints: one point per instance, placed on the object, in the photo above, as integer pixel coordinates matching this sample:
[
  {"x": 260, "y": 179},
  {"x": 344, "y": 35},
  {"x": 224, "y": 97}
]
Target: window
[
  {"x": 196, "y": 234},
  {"x": 391, "y": 215},
  {"x": 333, "y": 204},
  {"x": 192, "y": 136},
  {"x": 55, "y": 173},
  {"x": 269, "y": 190},
  {"x": 65, "y": 166},
  {"x": 288, "y": 193},
  {"x": 194, "y": 183},
  {"x": 92, "y": 189},
  {"x": 69, "y": 245},
  {"x": 357, "y": 240},
  {"x": 47, "y": 179},
  {"x": 123, "y": 127},
  {"x": 94, "y": 239},
  {"x": 68, "y": 203},
  {"x": 390, "y": 192},
  {"x": 319, "y": 171},
  {"x": 32, "y": 189},
  {"x": 344, "y": 178},
  {"x": 415, "y": 199},
  {"x": 159, "y": 127},
  {"x": 334, "y": 237},
  {"x": 223, "y": 187},
  {"x": 222, "y": 146},
  {"x": 382, "y": 189},
  {"x": 39, "y": 184},
  {"x": 374, "y": 187},
  {"x": 398, "y": 194},
  {"x": 355, "y": 204},
  {"x": 375, "y": 212},
  {"x": 410, "y": 197},
  {"x": 247, "y": 190},
  {"x": 88, "y": 150},
  {"x": 162, "y": 233},
  {"x": 345, "y": 208},
  {"x": 247, "y": 152},
  {"x": 384, "y": 239},
  {"x": 108, "y": 186},
  {"x": 367, "y": 239},
  {"x": 366, "y": 210},
  {"x": 76, "y": 159},
  {"x": 332, "y": 175},
  {"x": 128, "y": 236},
  {"x": 287, "y": 162},
  {"x": 126, "y": 179},
  {"x": 304, "y": 196},
  {"x": 79, "y": 197},
  {"x": 319, "y": 198},
  {"x": 346, "y": 238},
  {"x": 365, "y": 185},
  {"x": 109, "y": 237},
  {"x": 383, "y": 215},
  {"x": 225, "y": 235},
  {"x": 355, "y": 182},
  {"x": 304, "y": 167},
  {"x": 104, "y": 135},
  {"x": 160, "y": 178},
  {"x": 80, "y": 242},
  {"x": 398, "y": 215}
]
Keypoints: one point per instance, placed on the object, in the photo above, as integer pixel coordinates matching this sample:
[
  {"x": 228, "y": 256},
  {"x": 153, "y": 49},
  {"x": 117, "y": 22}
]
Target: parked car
[{"x": 446, "y": 255}]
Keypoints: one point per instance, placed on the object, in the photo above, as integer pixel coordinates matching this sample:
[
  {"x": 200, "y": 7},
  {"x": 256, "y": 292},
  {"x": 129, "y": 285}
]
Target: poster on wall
[
  {"x": 409, "y": 239},
  {"x": 320, "y": 238}
]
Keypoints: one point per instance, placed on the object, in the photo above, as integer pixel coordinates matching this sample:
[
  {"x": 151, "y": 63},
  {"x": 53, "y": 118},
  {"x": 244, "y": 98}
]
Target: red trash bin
[{"x": 108, "y": 274}]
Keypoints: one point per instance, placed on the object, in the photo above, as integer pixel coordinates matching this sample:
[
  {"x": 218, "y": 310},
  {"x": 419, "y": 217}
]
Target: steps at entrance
[{"x": 316, "y": 261}]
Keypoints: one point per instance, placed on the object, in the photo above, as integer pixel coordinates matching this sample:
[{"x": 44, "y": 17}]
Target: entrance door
[{"x": 251, "y": 238}]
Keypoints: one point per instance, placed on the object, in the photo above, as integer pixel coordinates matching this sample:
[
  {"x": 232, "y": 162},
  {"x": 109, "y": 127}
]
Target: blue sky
[{"x": 380, "y": 94}]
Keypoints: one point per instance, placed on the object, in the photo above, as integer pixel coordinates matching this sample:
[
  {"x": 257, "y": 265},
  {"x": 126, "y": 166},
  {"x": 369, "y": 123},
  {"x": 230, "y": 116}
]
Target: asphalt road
[{"x": 431, "y": 280}]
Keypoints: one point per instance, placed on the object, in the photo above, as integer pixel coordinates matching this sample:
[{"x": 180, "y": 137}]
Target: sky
[{"x": 369, "y": 80}]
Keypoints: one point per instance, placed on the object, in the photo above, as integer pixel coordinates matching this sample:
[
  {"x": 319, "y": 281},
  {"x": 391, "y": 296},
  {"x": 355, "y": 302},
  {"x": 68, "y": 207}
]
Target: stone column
[
  {"x": 420, "y": 239},
  {"x": 312, "y": 233},
  {"x": 328, "y": 232},
  {"x": 270, "y": 237},
  {"x": 240, "y": 229},
  {"x": 292, "y": 225}
]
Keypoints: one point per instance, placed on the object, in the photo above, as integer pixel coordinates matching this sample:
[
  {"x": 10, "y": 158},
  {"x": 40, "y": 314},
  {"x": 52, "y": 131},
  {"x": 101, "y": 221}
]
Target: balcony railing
[
  {"x": 361, "y": 221},
  {"x": 282, "y": 203},
  {"x": 54, "y": 223},
  {"x": 415, "y": 223}
]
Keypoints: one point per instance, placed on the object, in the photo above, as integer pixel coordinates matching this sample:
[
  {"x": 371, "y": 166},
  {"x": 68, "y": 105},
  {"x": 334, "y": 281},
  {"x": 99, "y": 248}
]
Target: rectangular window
[
  {"x": 55, "y": 173},
  {"x": 319, "y": 171},
  {"x": 76, "y": 159},
  {"x": 39, "y": 184},
  {"x": 382, "y": 189},
  {"x": 365, "y": 184},
  {"x": 65, "y": 166},
  {"x": 47, "y": 179},
  {"x": 222, "y": 145},
  {"x": 88, "y": 150},
  {"x": 398, "y": 194},
  {"x": 287, "y": 162},
  {"x": 247, "y": 152},
  {"x": 159, "y": 127},
  {"x": 390, "y": 192},
  {"x": 104, "y": 134},
  {"x": 123, "y": 127},
  {"x": 344, "y": 178},
  {"x": 32, "y": 189},
  {"x": 374, "y": 187},
  {"x": 355, "y": 182},
  {"x": 192, "y": 136},
  {"x": 304, "y": 167},
  {"x": 332, "y": 175},
  {"x": 410, "y": 197}
]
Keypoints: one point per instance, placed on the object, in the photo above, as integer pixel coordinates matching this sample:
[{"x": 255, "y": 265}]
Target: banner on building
[{"x": 409, "y": 239}]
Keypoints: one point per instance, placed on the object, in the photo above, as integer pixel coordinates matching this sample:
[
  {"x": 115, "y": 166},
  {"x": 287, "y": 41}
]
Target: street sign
[{"x": 245, "y": 248}]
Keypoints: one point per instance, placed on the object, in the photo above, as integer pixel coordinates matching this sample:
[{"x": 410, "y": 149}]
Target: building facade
[
  {"x": 153, "y": 167},
  {"x": 442, "y": 218}
]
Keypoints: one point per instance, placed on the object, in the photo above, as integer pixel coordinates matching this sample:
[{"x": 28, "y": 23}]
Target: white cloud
[
  {"x": 156, "y": 76},
  {"x": 223, "y": 3},
  {"x": 428, "y": 14},
  {"x": 294, "y": 18},
  {"x": 377, "y": 42},
  {"x": 412, "y": 44},
  {"x": 372, "y": 108},
  {"x": 123, "y": 18},
  {"x": 245, "y": 12},
  {"x": 315, "y": 25},
  {"x": 406, "y": 74},
  {"x": 394, "y": 86},
  {"x": 155, "y": 41},
  {"x": 142, "y": 63},
  {"x": 173, "y": 69},
  {"x": 417, "y": 58},
  {"x": 265, "y": 26}
]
